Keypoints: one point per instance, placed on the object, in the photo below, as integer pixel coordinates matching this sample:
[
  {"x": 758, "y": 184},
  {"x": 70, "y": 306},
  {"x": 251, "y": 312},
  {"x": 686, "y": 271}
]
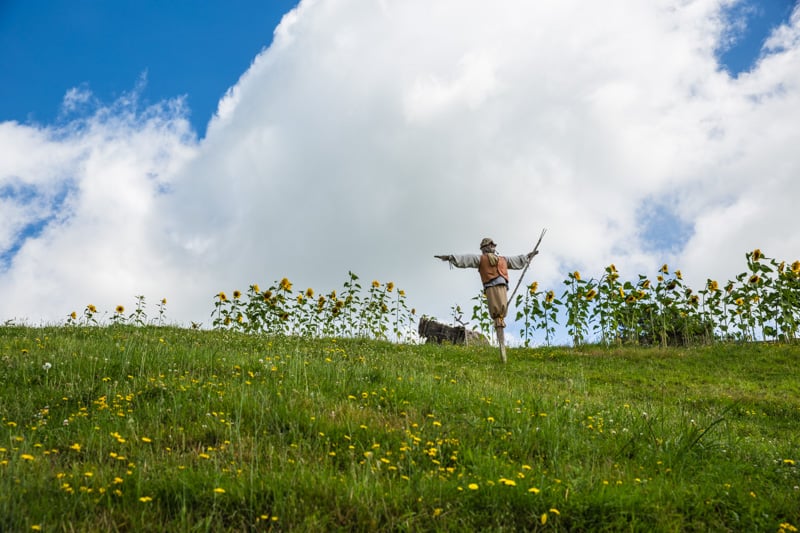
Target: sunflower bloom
[
  {"x": 120, "y": 309},
  {"x": 549, "y": 297},
  {"x": 237, "y": 295},
  {"x": 678, "y": 274},
  {"x": 713, "y": 286},
  {"x": 375, "y": 283},
  {"x": 534, "y": 287},
  {"x": 646, "y": 284},
  {"x": 754, "y": 279},
  {"x": 591, "y": 294},
  {"x": 664, "y": 268},
  {"x": 390, "y": 286},
  {"x": 286, "y": 284},
  {"x": 796, "y": 267},
  {"x": 757, "y": 254},
  {"x": 577, "y": 275},
  {"x": 222, "y": 296},
  {"x": 310, "y": 292}
]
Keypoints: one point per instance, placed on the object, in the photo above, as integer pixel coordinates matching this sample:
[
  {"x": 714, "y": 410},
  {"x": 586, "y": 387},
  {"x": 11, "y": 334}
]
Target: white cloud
[{"x": 370, "y": 137}]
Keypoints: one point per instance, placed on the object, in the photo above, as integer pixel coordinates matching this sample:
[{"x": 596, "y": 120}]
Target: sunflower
[
  {"x": 664, "y": 268},
  {"x": 757, "y": 254},
  {"x": 534, "y": 287},
  {"x": 549, "y": 297},
  {"x": 591, "y": 294},
  {"x": 754, "y": 279},
  {"x": 286, "y": 284},
  {"x": 713, "y": 286},
  {"x": 119, "y": 309}
]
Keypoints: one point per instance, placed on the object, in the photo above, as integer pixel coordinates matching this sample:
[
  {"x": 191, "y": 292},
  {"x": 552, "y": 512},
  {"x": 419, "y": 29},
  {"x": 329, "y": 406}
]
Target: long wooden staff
[{"x": 530, "y": 258}]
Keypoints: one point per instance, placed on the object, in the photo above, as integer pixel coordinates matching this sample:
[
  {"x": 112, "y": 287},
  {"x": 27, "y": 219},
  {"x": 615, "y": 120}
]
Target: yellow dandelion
[
  {"x": 544, "y": 518},
  {"x": 145, "y": 499},
  {"x": 472, "y": 486},
  {"x": 219, "y": 490},
  {"x": 555, "y": 511},
  {"x": 534, "y": 490},
  {"x": 27, "y": 457},
  {"x": 76, "y": 447},
  {"x": 147, "y": 439}
]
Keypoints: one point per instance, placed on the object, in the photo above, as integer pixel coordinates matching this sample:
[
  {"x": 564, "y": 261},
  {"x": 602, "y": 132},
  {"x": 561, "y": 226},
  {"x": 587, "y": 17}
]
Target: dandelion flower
[
  {"x": 534, "y": 490},
  {"x": 472, "y": 486},
  {"x": 544, "y": 518},
  {"x": 27, "y": 457},
  {"x": 219, "y": 490},
  {"x": 47, "y": 366},
  {"x": 145, "y": 499}
]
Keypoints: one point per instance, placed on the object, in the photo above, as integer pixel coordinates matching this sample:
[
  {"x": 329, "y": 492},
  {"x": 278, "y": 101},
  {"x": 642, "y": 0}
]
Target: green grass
[{"x": 168, "y": 429}]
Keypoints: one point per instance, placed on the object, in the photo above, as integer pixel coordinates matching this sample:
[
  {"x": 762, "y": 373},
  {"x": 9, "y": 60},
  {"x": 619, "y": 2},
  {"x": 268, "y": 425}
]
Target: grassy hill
[{"x": 127, "y": 428}]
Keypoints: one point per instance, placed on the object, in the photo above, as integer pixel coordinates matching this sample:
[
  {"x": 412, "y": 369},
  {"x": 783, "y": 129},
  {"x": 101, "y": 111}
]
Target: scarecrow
[{"x": 493, "y": 269}]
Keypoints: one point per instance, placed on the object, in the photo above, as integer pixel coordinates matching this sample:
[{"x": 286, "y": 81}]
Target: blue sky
[
  {"x": 638, "y": 133},
  {"x": 197, "y": 49}
]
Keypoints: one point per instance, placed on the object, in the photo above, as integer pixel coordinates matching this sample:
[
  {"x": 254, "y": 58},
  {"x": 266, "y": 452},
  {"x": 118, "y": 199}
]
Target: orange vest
[{"x": 489, "y": 272}]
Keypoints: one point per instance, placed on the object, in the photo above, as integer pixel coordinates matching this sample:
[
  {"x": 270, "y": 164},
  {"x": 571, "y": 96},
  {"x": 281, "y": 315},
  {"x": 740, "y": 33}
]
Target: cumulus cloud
[{"x": 370, "y": 137}]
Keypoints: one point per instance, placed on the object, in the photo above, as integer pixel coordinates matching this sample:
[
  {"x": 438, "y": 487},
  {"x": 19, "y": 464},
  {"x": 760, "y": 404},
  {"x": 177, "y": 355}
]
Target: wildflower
[
  {"x": 222, "y": 297},
  {"x": 576, "y": 275},
  {"x": 754, "y": 279},
  {"x": 555, "y": 511},
  {"x": 544, "y": 518},
  {"x": 664, "y": 269},
  {"x": 534, "y": 287},
  {"x": 146, "y": 439},
  {"x": 219, "y": 490},
  {"x": 437, "y": 511},
  {"x": 47, "y": 366},
  {"x": 788, "y": 462},
  {"x": 76, "y": 447},
  {"x": 757, "y": 254},
  {"x": 659, "y": 278},
  {"x": 534, "y": 490},
  {"x": 237, "y": 295},
  {"x": 145, "y": 499},
  {"x": 729, "y": 287},
  {"x": 286, "y": 284},
  {"x": 27, "y": 457},
  {"x": 472, "y": 486},
  {"x": 119, "y": 309}
]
